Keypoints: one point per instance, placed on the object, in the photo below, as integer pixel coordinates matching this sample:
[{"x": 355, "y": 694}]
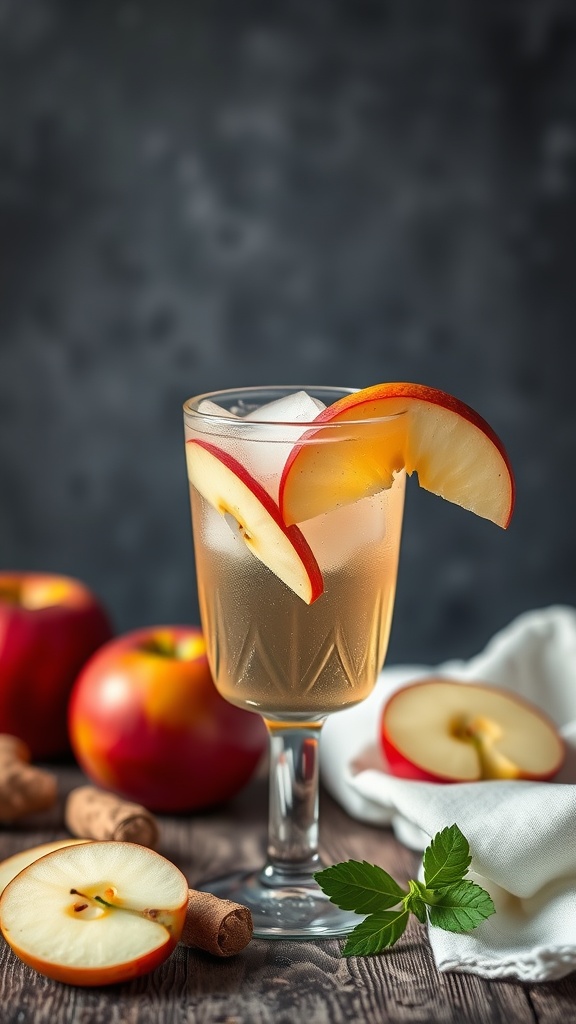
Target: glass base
[{"x": 295, "y": 910}]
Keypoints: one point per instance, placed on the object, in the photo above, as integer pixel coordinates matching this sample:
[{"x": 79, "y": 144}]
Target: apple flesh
[
  {"x": 443, "y": 730},
  {"x": 95, "y": 913},
  {"x": 254, "y": 517},
  {"x": 49, "y": 627},
  {"x": 395, "y": 426},
  {"x": 147, "y": 722},
  {"x": 12, "y": 866}
]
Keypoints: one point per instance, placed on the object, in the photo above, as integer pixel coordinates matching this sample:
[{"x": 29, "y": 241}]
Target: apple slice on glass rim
[
  {"x": 254, "y": 517},
  {"x": 389, "y": 427},
  {"x": 446, "y": 730},
  {"x": 95, "y": 913}
]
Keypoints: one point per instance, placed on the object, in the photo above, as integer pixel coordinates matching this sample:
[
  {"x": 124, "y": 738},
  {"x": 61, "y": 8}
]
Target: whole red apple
[
  {"x": 49, "y": 627},
  {"x": 147, "y": 722}
]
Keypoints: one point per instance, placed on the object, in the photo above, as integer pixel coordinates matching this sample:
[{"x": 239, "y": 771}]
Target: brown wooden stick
[
  {"x": 12, "y": 748},
  {"x": 92, "y": 813},
  {"x": 24, "y": 789},
  {"x": 220, "y": 927}
]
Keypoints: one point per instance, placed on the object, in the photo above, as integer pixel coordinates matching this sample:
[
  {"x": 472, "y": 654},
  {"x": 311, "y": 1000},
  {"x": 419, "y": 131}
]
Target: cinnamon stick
[
  {"x": 12, "y": 748},
  {"x": 92, "y": 813},
  {"x": 24, "y": 789},
  {"x": 217, "y": 926}
]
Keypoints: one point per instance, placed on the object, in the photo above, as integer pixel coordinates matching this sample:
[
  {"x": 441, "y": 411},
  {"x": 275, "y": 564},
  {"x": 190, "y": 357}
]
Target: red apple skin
[
  {"x": 42, "y": 650},
  {"x": 402, "y": 767},
  {"x": 154, "y": 729}
]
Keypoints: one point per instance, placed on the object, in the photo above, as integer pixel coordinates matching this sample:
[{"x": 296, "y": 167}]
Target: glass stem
[{"x": 293, "y": 803}]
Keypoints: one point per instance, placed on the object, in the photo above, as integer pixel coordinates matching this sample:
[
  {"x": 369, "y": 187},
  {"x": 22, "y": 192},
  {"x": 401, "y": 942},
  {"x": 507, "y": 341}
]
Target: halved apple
[
  {"x": 254, "y": 515},
  {"x": 444, "y": 730},
  {"x": 12, "y": 866},
  {"x": 95, "y": 913},
  {"x": 389, "y": 427}
]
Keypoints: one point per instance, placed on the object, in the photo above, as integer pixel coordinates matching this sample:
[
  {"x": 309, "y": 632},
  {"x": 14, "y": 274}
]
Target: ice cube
[
  {"x": 218, "y": 535},
  {"x": 267, "y": 452},
  {"x": 341, "y": 535},
  {"x": 211, "y": 424},
  {"x": 266, "y": 435},
  {"x": 298, "y": 407},
  {"x": 210, "y": 408}
]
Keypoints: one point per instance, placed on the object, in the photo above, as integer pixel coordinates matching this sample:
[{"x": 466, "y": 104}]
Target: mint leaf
[
  {"x": 461, "y": 907},
  {"x": 447, "y": 858},
  {"x": 414, "y": 902},
  {"x": 359, "y": 886},
  {"x": 445, "y": 897},
  {"x": 376, "y": 933}
]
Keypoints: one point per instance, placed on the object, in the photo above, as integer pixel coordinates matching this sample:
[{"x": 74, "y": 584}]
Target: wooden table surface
[{"x": 272, "y": 982}]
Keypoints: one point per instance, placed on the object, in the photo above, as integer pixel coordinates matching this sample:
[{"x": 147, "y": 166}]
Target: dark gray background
[{"x": 211, "y": 193}]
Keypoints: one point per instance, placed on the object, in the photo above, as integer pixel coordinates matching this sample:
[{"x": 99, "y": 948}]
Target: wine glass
[{"x": 279, "y": 648}]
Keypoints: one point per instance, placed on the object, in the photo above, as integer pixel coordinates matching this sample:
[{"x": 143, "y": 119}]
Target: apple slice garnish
[
  {"x": 454, "y": 451},
  {"x": 444, "y": 730},
  {"x": 95, "y": 913},
  {"x": 254, "y": 517}
]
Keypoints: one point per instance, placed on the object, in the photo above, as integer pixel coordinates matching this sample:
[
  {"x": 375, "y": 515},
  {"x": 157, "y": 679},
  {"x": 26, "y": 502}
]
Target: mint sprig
[
  {"x": 445, "y": 898},
  {"x": 362, "y": 887}
]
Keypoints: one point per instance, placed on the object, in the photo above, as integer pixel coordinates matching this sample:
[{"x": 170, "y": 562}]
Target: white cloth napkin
[{"x": 522, "y": 835}]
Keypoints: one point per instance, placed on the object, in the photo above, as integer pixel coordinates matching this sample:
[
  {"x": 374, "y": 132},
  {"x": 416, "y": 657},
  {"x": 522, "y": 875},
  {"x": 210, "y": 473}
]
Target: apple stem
[
  {"x": 483, "y": 733},
  {"x": 493, "y": 764},
  {"x": 162, "y": 646},
  {"x": 165, "y": 645}
]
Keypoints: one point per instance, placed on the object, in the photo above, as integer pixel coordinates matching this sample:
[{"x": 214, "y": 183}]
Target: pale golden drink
[{"x": 271, "y": 652}]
